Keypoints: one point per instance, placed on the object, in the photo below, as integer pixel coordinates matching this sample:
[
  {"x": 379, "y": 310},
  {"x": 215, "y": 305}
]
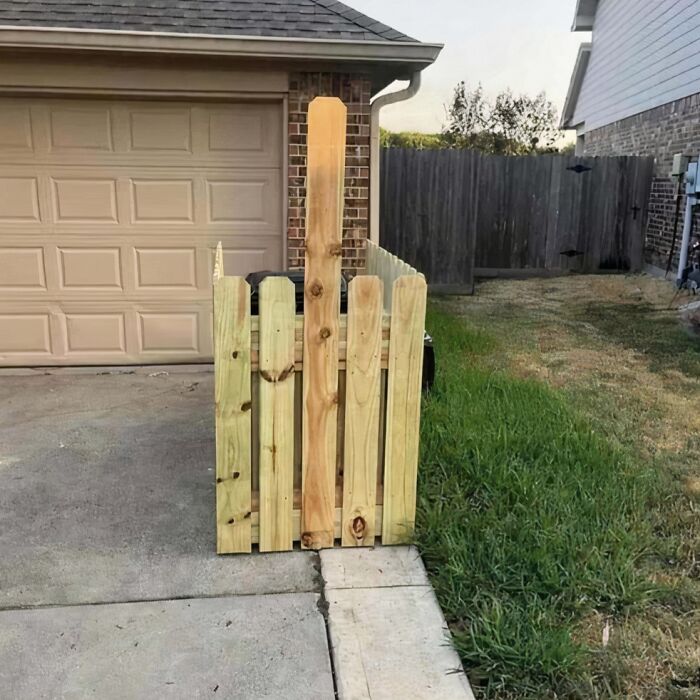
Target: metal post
[
  {"x": 687, "y": 226},
  {"x": 692, "y": 186}
]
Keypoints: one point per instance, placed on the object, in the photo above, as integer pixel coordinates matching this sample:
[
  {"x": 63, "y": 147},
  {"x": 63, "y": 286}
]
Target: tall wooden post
[{"x": 324, "y": 213}]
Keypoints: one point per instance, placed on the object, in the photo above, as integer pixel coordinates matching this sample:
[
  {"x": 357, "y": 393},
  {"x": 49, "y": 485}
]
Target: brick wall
[
  {"x": 660, "y": 132},
  {"x": 355, "y": 92}
]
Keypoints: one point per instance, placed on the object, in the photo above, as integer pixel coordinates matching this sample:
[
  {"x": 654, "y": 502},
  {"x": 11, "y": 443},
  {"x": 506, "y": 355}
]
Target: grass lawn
[{"x": 559, "y": 496}]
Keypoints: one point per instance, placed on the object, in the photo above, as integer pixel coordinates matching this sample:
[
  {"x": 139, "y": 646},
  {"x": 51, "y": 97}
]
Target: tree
[{"x": 508, "y": 125}]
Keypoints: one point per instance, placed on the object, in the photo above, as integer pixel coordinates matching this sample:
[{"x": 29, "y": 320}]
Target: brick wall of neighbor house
[
  {"x": 355, "y": 91},
  {"x": 660, "y": 132}
]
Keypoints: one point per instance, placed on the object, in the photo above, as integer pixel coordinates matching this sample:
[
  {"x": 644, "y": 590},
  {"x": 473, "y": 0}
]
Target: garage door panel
[
  {"x": 24, "y": 334},
  {"x": 86, "y": 200},
  {"x": 90, "y": 268},
  {"x": 22, "y": 269},
  {"x": 162, "y": 201},
  {"x": 240, "y": 262},
  {"x": 250, "y": 201},
  {"x": 165, "y": 268},
  {"x": 104, "y": 332},
  {"x": 16, "y": 129},
  {"x": 100, "y": 199},
  {"x": 19, "y": 199},
  {"x": 126, "y": 133},
  {"x": 95, "y": 333},
  {"x": 85, "y": 128},
  {"x": 109, "y": 218},
  {"x": 250, "y": 129},
  {"x": 158, "y": 129},
  {"x": 167, "y": 333},
  {"x": 128, "y": 269}
]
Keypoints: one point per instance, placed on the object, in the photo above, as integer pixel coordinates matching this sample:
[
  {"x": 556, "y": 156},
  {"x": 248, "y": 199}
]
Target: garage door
[{"x": 109, "y": 216}]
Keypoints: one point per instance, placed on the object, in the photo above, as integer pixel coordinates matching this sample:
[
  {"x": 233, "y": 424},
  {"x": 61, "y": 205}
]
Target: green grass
[{"x": 528, "y": 520}]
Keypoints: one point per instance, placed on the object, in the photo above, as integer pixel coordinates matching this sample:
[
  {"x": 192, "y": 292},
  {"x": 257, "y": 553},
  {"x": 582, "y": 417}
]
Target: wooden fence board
[
  {"x": 448, "y": 211},
  {"x": 324, "y": 212},
  {"x": 362, "y": 399},
  {"x": 423, "y": 196},
  {"x": 388, "y": 268},
  {"x": 233, "y": 414},
  {"x": 403, "y": 408},
  {"x": 276, "y": 413}
]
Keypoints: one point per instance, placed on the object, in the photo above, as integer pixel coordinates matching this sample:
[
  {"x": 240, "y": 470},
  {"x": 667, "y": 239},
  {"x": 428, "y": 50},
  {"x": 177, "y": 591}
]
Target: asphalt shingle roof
[{"x": 307, "y": 19}]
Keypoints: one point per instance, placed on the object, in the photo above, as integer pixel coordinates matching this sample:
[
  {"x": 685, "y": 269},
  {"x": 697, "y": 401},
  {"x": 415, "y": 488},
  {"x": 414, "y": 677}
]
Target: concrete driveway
[{"x": 109, "y": 582}]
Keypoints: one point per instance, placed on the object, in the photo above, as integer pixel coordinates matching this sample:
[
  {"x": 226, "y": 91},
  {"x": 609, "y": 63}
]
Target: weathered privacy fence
[
  {"x": 317, "y": 415},
  {"x": 453, "y": 212}
]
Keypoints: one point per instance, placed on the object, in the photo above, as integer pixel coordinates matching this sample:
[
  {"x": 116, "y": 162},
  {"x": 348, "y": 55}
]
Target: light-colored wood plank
[
  {"x": 403, "y": 408},
  {"x": 218, "y": 263},
  {"x": 276, "y": 416},
  {"x": 299, "y": 342},
  {"x": 362, "y": 399},
  {"x": 324, "y": 212},
  {"x": 232, "y": 398}
]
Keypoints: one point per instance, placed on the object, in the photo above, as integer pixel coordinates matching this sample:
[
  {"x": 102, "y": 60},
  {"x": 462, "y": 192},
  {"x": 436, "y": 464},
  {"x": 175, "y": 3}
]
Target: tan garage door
[{"x": 109, "y": 215}]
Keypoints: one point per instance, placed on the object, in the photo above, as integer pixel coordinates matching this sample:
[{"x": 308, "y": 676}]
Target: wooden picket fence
[{"x": 317, "y": 415}]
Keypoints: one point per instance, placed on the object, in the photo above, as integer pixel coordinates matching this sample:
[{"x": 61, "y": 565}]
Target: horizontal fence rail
[{"x": 452, "y": 213}]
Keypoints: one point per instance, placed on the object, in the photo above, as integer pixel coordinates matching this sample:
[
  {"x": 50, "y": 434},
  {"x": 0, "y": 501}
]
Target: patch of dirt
[{"x": 549, "y": 338}]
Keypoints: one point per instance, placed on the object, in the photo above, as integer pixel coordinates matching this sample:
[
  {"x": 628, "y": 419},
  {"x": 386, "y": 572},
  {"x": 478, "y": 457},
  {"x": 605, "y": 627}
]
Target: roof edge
[
  {"x": 584, "y": 18},
  {"x": 58, "y": 38},
  {"x": 572, "y": 95},
  {"x": 363, "y": 20}
]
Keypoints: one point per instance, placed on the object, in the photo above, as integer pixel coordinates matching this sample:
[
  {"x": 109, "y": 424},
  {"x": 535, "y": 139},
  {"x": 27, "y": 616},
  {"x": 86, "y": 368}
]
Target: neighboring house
[
  {"x": 636, "y": 91},
  {"x": 134, "y": 136}
]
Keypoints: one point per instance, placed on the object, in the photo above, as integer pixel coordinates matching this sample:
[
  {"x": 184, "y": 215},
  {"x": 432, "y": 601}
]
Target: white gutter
[
  {"x": 580, "y": 67},
  {"x": 217, "y": 45},
  {"x": 374, "y": 149}
]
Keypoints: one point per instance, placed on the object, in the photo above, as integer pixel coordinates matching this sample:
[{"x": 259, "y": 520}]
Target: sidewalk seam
[
  {"x": 101, "y": 603},
  {"x": 323, "y": 607}
]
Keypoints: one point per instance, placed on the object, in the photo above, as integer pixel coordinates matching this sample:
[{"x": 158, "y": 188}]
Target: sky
[{"x": 526, "y": 45}]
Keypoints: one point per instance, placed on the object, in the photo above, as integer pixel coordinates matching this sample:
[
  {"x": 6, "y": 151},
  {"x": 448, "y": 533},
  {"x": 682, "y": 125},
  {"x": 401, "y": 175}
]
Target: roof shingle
[{"x": 304, "y": 19}]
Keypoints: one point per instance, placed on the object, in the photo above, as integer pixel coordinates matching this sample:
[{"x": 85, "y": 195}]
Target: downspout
[{"x": 390, "y": 99}]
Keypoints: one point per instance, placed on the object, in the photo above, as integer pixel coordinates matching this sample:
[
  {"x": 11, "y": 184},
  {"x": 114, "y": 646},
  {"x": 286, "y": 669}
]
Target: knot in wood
[
  {"x": 316, "y": 289},
  {"x": 335, "y": 250},
  {"x": 307, "y": 540},
  {"x": 359, "y": 527},
  {"x": 286, "y": 373},
  {"x": 325, "y": 333}
]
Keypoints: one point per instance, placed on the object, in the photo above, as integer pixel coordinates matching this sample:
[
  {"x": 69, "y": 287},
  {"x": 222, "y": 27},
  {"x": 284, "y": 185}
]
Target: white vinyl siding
[{"x": 645, "y": 53}]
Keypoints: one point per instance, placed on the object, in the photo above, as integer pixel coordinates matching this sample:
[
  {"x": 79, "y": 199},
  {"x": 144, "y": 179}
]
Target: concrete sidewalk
[{"x": 109, "y": 583}]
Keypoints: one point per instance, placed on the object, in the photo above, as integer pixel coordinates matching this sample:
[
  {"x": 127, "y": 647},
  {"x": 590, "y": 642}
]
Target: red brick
[{"x": 355, "y": 91}]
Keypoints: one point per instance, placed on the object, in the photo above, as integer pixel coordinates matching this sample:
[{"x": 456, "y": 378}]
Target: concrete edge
[
  {"x": 387, "y": 634},
  {"x": 141, "y": 370}
]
